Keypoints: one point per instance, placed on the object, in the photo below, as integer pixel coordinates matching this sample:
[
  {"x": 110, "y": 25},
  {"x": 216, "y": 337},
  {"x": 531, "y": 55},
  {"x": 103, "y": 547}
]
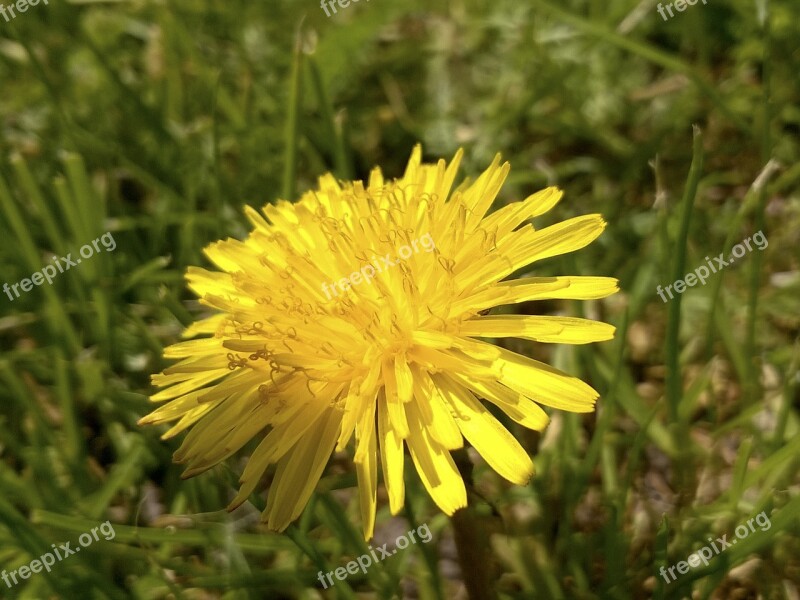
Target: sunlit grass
[{"x": 159, "y": 122}]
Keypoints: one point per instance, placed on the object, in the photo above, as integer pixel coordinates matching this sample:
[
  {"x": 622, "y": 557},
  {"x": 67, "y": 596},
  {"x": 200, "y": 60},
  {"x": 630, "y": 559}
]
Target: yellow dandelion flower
[{"x": 358, "y": 312}]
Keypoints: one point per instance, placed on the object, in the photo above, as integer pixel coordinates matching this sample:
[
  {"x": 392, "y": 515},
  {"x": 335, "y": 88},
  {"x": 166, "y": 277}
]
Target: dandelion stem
[{"x": 473, "y": 555}]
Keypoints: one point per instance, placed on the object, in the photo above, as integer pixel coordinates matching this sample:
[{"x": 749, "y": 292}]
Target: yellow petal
[
  {"x": 486, "y": 434},
  {"x": 507, "y": 218},
  {"x": 435, "y": 466},
  {"x": 209, "y": 325},
  {"x": 394, "y": 405},
  {"x": 367, "y": 473},
  {"x": 549, "y": 329},
  {"x": 527, "y": 245},
  {"x": 366, "y": 423},
  {"x": 454, "y": 360},
  {"x": 537, "y": 288},
  {"x": 192, "y": 348},
  {"x": 239, "y": 381},
  {"x": 226, "y": 417},
  {"x": 190, "y": 385},
  {"x": 391, "y": 446},
  {"x": 404, "y": 379},
  {"x": 479, "y": 196},
  {"x": 276, "y": 444},
  {"x": 186, "y": 368},
  {"x": 544, "y": 384},
  {"x": 444, "y": 341},
  {"x": 172, "y": 410},
  {"x": 519, "y": 408},
  {"x": 434, "y": 412},
  {"x": 187, "y": 420},
  {"x": 298, "y": 473},
  {"x": 568, "y": 288},
  {"x": 353, "y": 403},
  {"x": 561, "y": 238}
]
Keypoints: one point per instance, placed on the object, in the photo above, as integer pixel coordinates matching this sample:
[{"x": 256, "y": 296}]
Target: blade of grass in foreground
[
  {"x": 673, "y": 376},
  {"x": 292, "y": 120},
  {"x": 126, "y": 534},
  {"x": 342, "y": 165},
  {"x": 684, "y": 463},
  {"x": 752, "y": 384}
]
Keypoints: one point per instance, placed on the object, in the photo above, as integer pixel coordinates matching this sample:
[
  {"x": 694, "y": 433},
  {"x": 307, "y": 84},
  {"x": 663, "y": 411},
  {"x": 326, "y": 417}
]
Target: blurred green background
[{"x": 158, "y": 121}]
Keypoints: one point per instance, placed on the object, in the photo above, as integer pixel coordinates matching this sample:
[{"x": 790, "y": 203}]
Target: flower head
[{"x": 357, "y": 314}]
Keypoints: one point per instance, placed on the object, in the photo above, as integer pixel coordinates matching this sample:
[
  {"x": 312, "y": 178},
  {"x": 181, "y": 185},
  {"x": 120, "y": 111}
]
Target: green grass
[{"x": 159, "y": 123}]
